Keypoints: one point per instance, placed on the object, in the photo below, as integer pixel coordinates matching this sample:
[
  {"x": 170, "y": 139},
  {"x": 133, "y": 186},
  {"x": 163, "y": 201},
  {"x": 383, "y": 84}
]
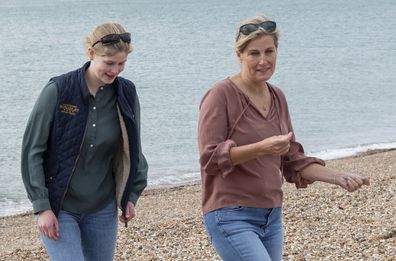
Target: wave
[
  {"x": 353, "y": 151},
  {"x": 10, "y": 207}
]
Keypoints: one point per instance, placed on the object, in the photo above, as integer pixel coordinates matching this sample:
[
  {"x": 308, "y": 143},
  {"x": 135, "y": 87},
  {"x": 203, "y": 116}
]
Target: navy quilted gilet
[{"x": 68, "y": 127}]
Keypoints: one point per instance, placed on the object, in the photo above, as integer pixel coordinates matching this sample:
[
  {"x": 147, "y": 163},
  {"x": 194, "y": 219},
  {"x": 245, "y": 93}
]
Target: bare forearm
[
  {"x": 275, "y": 145},
  {"x": 317, "y": 172},
  {"x": 346, "y": 180},
  {"x": 244, "y": 153}
]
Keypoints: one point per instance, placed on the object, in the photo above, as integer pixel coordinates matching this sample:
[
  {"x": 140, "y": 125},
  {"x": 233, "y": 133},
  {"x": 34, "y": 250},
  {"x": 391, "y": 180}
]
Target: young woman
[
  {"x": 81, "y": 154},
  {"x": 247, "y": 147}
]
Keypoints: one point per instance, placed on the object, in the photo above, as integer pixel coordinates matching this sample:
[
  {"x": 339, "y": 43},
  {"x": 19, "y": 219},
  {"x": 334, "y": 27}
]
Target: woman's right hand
[
  {"x": 276, "y": 145},
  {"x": 48, "y": 224}
]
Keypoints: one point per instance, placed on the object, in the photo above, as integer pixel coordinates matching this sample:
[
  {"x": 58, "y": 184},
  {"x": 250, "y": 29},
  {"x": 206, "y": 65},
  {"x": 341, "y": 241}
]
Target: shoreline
[
  {"x": 197, "y": 182},
  {"x": 322, "y": 222}
]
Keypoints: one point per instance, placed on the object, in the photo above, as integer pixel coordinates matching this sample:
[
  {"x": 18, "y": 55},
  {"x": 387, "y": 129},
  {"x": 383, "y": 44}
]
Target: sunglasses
[
  {"x": 114, "y": 38},
  {"x": 268, "y": 26}
]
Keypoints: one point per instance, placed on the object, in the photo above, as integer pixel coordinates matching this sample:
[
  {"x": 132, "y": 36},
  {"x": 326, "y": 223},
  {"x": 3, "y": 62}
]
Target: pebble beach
[{"x": 321, "y": 222}]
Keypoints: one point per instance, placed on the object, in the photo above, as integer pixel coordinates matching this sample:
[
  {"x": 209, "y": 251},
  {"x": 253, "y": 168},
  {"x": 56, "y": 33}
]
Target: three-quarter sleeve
[
  {"x": 294, "y": 162},
  {"x": 214, "y": 146}
]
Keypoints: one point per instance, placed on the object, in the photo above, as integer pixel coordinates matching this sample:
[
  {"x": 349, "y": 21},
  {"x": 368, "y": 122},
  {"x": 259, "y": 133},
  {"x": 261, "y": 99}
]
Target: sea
[{"x": 336, "y": 64}]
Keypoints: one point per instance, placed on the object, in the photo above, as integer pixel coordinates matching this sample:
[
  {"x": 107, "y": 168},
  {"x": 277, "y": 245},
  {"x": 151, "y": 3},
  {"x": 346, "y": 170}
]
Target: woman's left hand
[
  {"x": 351, "y": 181},
  {"x": 129, "y": 213}
]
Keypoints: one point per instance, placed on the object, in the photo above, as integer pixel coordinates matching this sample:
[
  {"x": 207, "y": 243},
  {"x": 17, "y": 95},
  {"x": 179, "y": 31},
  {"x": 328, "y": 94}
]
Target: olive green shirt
[{"x": 91, "y": 186}]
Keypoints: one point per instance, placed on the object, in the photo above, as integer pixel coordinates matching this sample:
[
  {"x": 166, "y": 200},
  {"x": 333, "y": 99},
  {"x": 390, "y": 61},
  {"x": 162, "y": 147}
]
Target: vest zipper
[{"x": 74, "y": 167}]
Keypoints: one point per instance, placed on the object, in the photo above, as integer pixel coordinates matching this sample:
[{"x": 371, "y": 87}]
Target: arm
[
  {"x": 33, "y": 147},
  {"x": 275, "y": 145},
  {"x": 214, "y": 145},
  {"x": 140, "y": 181},
  {"x": 219, "y": 154},
  {"x": 348, "y": 181}
]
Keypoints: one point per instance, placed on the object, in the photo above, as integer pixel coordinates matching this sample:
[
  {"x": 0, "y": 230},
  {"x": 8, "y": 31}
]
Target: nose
[
  {"x": 116, "y": 69},
  {"x": 263, "y": 59}
]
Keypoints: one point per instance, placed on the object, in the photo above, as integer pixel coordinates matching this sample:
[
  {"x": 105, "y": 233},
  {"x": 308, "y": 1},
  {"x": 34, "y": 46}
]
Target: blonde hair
[
  {"x": 241, "y": 40},
  {"x": 107, "y": 50}
]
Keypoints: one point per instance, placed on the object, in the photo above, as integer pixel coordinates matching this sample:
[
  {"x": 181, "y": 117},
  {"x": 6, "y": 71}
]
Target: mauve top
[{"x": 228, "y": 118}]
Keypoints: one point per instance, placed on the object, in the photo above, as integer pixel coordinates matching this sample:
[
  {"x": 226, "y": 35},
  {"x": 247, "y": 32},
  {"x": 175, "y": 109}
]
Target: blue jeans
[
  {"x": 84, "y": 237},
  {"x": 242, "y": 233}
]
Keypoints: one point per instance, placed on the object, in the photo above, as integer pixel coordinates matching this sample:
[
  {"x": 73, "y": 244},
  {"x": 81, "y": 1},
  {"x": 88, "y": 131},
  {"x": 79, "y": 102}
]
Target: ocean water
[{"x": 336, "y": 65}]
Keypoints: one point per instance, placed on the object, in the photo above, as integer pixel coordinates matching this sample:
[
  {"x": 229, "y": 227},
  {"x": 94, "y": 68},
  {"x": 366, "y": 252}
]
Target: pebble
[{"x": 321, "y": 222}]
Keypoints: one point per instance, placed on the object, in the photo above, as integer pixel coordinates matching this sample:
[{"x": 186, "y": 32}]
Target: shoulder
[
  {"x": 49, "y": 91},
  {"x": 126, "y": 86},
  {"x": 219, "y": 92},
  {"x": 47, "y": 98},
  {"x": 222, "y": 87},
  {"x": 278, "y": 92},
  {"x": 65, "y": 76},
  {"x": 276, "y": 89}
]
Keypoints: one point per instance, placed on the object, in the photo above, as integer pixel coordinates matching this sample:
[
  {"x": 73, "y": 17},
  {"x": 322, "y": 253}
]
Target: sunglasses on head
[
  {"x": 114, "y": 38},
  {"x": 268, "y": 26}
]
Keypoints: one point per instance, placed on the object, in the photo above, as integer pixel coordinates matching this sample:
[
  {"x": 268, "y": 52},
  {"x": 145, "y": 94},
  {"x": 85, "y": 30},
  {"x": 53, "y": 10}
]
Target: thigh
[
  {"x": 235, "y": 234},
  {"x": 273, "y": 235},
  {"x": 68, "y": 246},
  {"x": 99, "y": 233}
]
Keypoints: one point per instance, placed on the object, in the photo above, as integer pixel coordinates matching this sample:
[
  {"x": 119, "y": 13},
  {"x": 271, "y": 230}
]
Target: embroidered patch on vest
[{"x": 69, "y": 109}]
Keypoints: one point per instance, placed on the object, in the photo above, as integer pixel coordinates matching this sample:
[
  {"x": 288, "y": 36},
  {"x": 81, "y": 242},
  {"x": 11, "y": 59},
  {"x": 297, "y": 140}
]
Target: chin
[
  {"x": 109, "y": 80},
  {"x": 263, "y": 78}
]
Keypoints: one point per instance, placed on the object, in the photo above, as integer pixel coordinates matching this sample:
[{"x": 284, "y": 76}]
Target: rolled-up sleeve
[
  {"x": 214, "y": 147},
  {"x": 294, "y": 162}
]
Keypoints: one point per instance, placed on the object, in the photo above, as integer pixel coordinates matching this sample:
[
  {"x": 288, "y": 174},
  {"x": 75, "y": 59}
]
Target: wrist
[
  {"x": 337, "y": 179},
  {"x": 259, "y": 148}
]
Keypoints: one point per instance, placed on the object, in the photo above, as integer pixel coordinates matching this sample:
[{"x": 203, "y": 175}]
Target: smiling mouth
[{"x": 263, "y": 70}]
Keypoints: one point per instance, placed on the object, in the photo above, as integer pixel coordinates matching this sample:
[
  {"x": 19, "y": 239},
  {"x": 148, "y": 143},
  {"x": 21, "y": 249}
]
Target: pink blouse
[{"x": 228, "y": 118}]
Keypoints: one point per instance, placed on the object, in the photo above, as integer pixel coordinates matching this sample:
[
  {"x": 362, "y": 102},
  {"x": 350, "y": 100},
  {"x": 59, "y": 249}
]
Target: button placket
[{"x": 93, "y": 120}]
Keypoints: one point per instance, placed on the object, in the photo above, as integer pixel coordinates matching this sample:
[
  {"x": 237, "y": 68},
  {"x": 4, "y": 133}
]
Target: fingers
[
  {"x": 48, "y": 224},
  {"x": 289, "y": 136},
  {"x": 50, "y": 231},
  {"x": 352, "y": 185},
  {"x": 53, "y": 232},
  {"x": 286, "y": 138},
  {"x": 129, "y": 213},
  {"x": 366, "y": 181},
  {"x": 354, "y": 182},
  {"x": 121, "y": 218},
  {"x": 282, "y": 145}
]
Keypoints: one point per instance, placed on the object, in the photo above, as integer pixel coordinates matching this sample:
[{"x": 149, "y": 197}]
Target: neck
[
  {"x": 251, "y": 86},
  {"x": 92, "y": 82}
]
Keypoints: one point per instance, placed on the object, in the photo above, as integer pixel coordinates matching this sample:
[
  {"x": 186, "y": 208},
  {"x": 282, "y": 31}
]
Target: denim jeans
[
  {"x": 84, "y": 237},
  {"x": 242, "y": 233}
]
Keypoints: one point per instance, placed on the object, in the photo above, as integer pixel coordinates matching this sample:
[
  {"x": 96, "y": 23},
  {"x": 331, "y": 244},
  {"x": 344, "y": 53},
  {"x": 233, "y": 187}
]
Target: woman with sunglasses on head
[
  {"x": 81, "y": 154},
  {"x": 247, "y": 146}
]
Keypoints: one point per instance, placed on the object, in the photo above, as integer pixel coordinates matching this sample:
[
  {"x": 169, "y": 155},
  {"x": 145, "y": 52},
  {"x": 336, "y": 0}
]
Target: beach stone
[{"x": 321, "y": 222}]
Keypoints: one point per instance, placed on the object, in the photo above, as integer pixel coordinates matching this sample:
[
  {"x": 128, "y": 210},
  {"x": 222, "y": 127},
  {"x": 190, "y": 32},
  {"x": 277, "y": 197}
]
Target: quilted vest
[{"x": 68, "y": 128}]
